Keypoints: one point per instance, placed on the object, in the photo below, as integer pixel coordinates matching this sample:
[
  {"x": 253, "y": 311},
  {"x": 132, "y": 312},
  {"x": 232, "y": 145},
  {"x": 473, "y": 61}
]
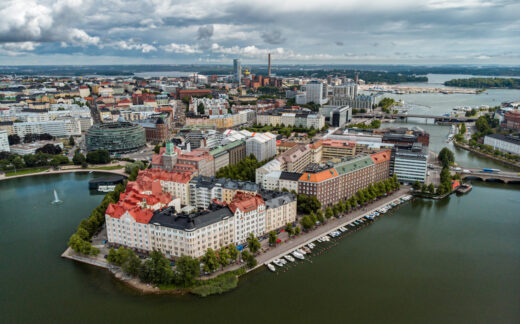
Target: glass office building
[{"x": 120, "y": 137}]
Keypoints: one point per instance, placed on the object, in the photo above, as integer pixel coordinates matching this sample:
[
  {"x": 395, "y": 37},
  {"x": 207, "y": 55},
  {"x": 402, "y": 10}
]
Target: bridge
[
  {"x": 440, "y": 119},
  {"x": 478, "y": 174}
]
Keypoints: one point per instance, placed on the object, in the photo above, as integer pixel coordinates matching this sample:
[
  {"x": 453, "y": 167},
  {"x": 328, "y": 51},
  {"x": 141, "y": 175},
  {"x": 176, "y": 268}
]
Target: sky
[{"x": 80, "y": 32}]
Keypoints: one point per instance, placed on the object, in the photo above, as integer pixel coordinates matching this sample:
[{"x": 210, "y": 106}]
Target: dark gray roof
[
  {"x": 294, "y": 176},
  {"x": 510, "y": 139},
  {"x": 189, "y": 222}
]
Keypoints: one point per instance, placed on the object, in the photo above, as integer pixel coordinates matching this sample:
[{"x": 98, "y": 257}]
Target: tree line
[
  {"x": 508, "y": 83},
  {"x": 360, "y": 198},
  {"x": 244, "y": 170}
]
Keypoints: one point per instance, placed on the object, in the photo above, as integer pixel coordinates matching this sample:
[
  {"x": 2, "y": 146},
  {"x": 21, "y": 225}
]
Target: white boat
[
  {"x": 278, "y": 262},
  {"x": 289, "y": 258},
  {"x": 271, "y": 267},
  {"x": 301, "y": 251},
  {"x": 298, "y": 255}
]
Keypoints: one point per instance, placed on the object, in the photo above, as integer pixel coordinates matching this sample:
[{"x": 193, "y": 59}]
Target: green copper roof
[{"x": 354, "y": 164}]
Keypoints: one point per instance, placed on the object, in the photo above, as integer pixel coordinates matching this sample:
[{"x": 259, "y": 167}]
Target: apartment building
[{"x": 335, "y": 182}]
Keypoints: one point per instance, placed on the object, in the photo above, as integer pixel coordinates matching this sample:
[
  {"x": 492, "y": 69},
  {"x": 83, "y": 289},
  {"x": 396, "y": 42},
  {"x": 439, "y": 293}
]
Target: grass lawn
[{"x": 28, "y": 171}]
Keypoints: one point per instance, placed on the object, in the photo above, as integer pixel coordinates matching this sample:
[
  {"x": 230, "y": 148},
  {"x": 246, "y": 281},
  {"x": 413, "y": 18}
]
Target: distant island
[{"x": 505, "y": 83}]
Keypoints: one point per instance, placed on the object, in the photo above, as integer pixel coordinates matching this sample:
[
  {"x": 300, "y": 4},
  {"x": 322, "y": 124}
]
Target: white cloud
[
  {"x": 132, "y": 44},
  {"x": 20, "y": 48},
  {"x": 181, "y": 48}
]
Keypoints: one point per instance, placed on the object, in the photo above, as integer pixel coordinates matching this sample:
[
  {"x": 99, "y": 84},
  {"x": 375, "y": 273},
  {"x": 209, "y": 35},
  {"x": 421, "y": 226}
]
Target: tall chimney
[
  {"x": 269, "y": 65},
  {"x": 356, "y": 79}
]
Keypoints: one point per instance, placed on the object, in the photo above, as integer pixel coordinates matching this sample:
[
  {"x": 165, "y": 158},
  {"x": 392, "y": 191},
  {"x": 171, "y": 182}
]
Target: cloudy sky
[{"x": 294, "y": 31}]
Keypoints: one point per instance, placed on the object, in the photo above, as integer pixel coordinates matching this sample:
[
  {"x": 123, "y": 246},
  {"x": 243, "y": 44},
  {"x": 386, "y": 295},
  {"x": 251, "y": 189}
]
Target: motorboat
[
  {"x": 298, "y": 255},
  {"x": 289, "y": 258},
  {"x": 271, "y": 267},
  {"x": 278, "y": 262}
]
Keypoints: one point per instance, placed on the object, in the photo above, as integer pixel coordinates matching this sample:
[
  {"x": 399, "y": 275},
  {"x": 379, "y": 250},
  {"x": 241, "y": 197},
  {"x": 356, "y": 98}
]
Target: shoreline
[
  {"x": 467, "y": 148},
  {"x": 49, "y": 172},
  {"x": 262, "y": 259}
]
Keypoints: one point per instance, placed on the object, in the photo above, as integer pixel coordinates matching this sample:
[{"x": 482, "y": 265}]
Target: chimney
[{"x": 269, "y": 65}]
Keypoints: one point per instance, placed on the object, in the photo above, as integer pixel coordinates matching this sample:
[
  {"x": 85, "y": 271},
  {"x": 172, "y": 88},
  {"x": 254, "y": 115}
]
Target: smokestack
[
  {"x": 356, "y": 79},
  {"x": 269, "y": 65}
]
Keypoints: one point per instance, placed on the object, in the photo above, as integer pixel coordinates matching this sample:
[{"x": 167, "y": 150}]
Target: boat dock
[{"x": 332, "y": 225}]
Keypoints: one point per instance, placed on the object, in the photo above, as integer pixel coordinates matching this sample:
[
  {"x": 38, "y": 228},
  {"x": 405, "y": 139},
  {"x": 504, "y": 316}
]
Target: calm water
[
  {"x": 438, "y": 103},
  {"x": 454, "y": 261}
]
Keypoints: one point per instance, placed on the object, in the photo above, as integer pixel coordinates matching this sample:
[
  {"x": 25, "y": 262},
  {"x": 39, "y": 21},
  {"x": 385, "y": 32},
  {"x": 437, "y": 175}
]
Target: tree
[
  {"x": 223, "y": 256},
  {"x": 49, "y": 149},
  {"x": 272, "y": 238},
  {"x": 329, "y": 212},
  {"x": 210, "y": 261},
  {"x": 156, "y": 269},
  {"x": 14, "y": 139},
  {"x": 306, "y": 222},
  {"x": 416, "y": 185},
  {"x": 249, "y": 259},
  {"x": 71, "y": 141},
  {"x": 297, "y": 230},
  {"x": 233, "y": 252},
  {"x": 78, "y": 158},
  {"x": 98, "y": 157},
  {"x": 431, "y": 188},
  {"x": 157, "y": 149},
  {"x": 319, "y": 216},
  {"x": 187, "y": 269},
  {"x": 446, "y": 157},
  {"x": 252, "y": 243},
  {"x": 289, "y": 229},
  {"x": 200, "y": 109}
]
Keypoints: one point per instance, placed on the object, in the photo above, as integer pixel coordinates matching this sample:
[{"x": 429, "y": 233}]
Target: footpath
[{"x": 69, "y": 169}]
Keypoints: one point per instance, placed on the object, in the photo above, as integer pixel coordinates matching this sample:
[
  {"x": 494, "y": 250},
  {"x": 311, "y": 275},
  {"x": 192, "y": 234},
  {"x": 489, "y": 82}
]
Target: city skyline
[{"x": 169, "y": 32}]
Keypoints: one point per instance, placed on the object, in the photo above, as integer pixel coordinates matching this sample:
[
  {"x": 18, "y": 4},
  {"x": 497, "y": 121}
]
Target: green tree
[
  {"x": 249, "y": 259},
  {"x": 446, "y": 157},
  {"x": 431, "y": 188},
  {"x": 319, "y": 216},
  {"x": 416, "y": 186},
  {"x": 297, "y": 230},
  {"x": 289, "y": 229},
  {"x": 157, "y": 148},
  {"x": 200, "y": 109},
  {"x": 187, "y": 269},
  {"x": 306, "y": 222},
  {"x": 210, "y": 261},
  {"x": 156, "y": 269},
  {"x": 329, "y": 212},
  {"x": 272, "y": 238},
  {"x": 252, "y": 243},
  {"x": 78, "y": 158},
  {"x": 233, "y": 252},
  {"x": 71, "y": 141},
  {"x": 223, "y": 256}
]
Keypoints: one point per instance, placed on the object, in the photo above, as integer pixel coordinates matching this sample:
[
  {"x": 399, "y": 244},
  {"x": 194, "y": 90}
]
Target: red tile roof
[
  {"x": 245, "y": 202},
  {"x": 381, "y": 157}
]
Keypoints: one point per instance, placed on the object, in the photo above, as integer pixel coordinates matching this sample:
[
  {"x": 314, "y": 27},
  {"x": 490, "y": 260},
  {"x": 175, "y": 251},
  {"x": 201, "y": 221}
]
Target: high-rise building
[
  {"x": 314, "y": 92},
  {"x": 237, "y": 70},
  {"x": 269, "y": 65}
]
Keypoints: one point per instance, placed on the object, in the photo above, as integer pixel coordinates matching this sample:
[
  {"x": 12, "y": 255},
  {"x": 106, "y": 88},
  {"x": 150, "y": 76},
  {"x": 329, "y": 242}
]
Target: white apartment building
[
  {"x": 4, "y": 141},
  {"x": 261, "y": 145},
  {"x": 314, "y": 91},
  {"x": 56, "y": 128}
]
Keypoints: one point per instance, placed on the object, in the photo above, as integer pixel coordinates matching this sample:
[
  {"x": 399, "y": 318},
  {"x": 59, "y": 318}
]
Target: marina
[{"x": 317, "y": 246}]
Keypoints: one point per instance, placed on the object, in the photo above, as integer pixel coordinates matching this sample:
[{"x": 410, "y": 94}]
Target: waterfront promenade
[
  {"x": 120, "y": 171},
  {"x": 331, "y": 225}
]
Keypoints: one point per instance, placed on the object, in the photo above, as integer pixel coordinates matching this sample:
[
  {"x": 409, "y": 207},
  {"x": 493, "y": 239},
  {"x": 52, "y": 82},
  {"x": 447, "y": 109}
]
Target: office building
[
  {"x": 410, "y": 164},
  {"x": 237, "y": 70},
  {"x": 119, "y": 137},
  {"x": 503, "y": 143}
]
